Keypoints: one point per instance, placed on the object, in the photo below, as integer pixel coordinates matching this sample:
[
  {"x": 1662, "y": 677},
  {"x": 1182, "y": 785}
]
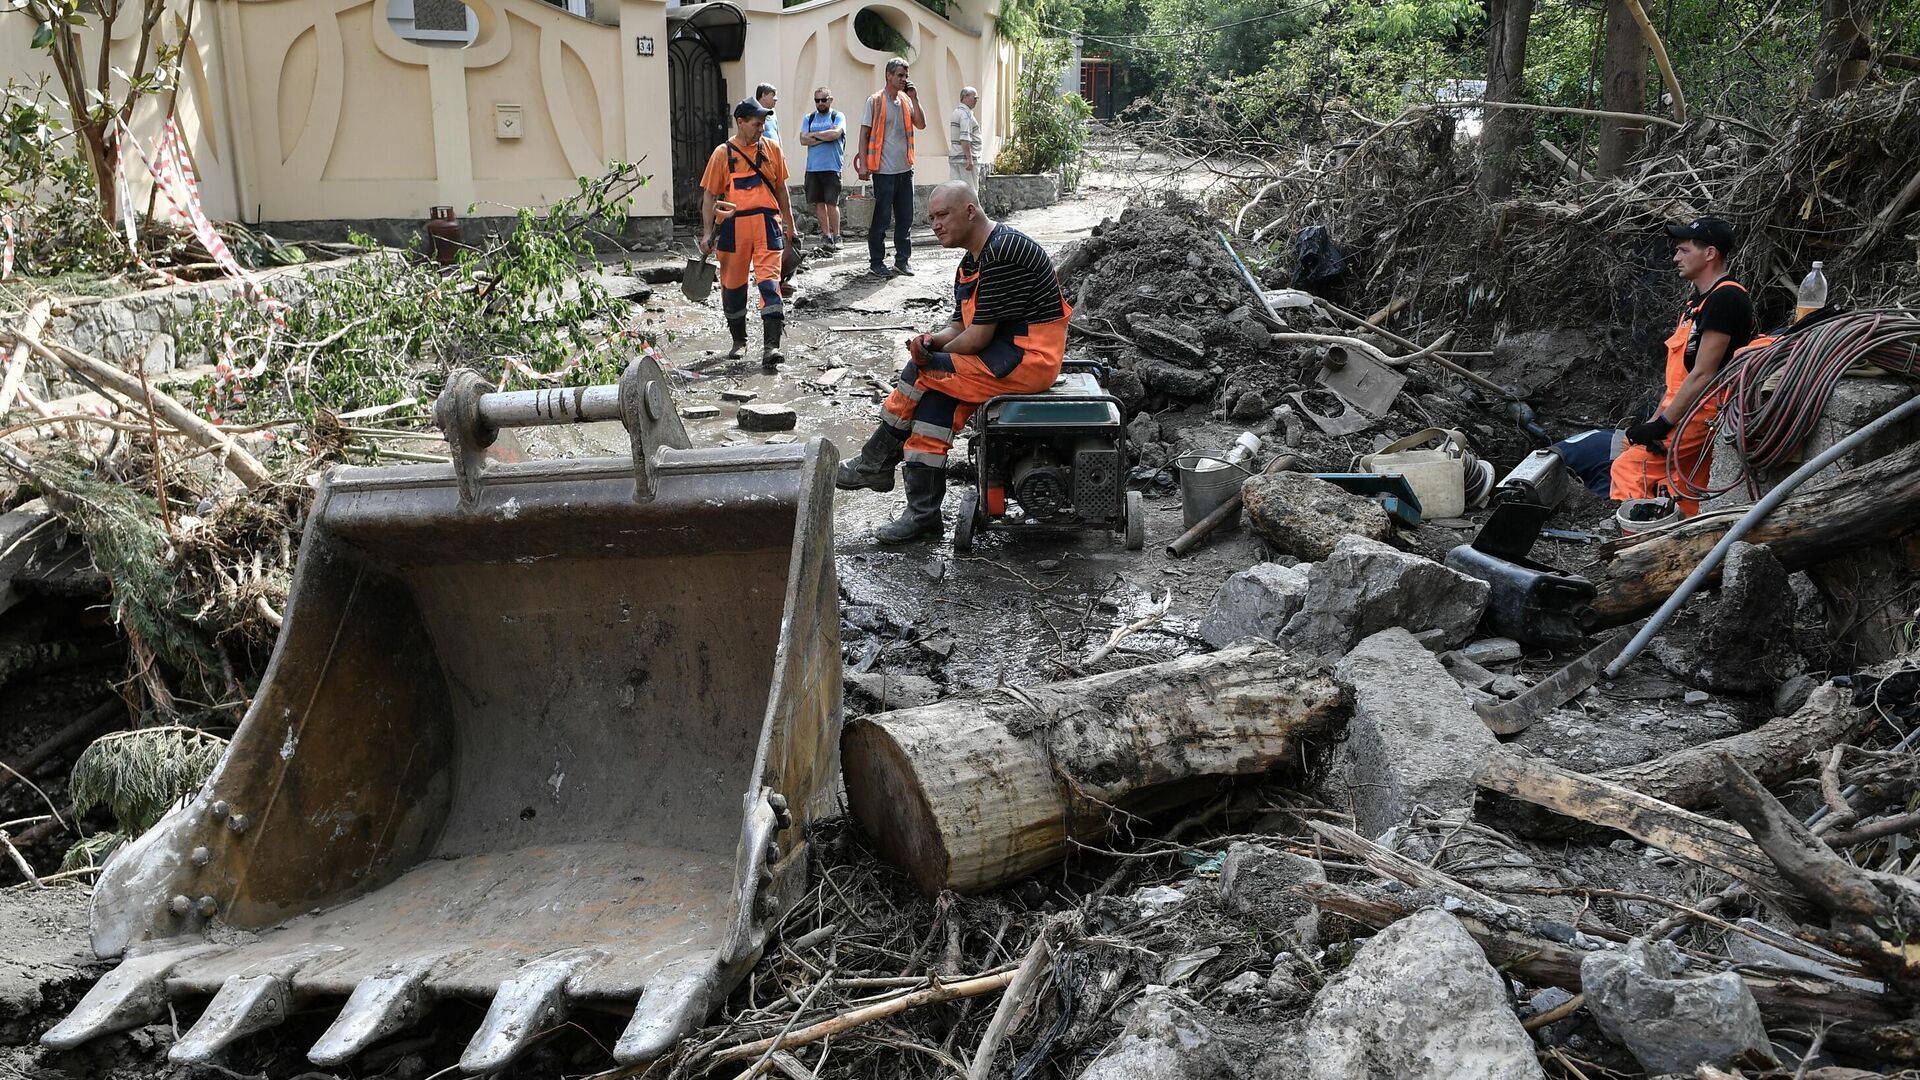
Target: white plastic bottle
[{"x": 1813, "y": 294}]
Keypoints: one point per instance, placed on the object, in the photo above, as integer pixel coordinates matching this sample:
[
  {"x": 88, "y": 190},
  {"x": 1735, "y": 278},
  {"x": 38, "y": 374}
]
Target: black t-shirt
[
  {"x": 1728, "y": 310},
  {"x": 1017, "y": 281}
]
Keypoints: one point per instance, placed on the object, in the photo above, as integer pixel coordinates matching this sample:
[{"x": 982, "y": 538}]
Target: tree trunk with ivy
[
  {"x": 1507, "y": 22},
  {"x": 1623, "y": 89}
]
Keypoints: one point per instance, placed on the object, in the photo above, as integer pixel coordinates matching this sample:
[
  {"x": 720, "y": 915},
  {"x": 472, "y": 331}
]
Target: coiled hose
[{"x": 1770, "y": 397}]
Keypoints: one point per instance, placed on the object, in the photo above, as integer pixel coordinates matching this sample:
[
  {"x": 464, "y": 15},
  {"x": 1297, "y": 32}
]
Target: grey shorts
[{"x": 823, "y": 187}]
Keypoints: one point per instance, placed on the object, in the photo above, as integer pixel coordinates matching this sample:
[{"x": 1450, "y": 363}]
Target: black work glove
[{"x": 1650, "y": 433}]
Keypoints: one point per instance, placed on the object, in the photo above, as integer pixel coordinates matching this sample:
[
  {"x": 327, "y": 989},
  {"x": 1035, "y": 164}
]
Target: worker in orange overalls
[
  {"x": 745, "y": 216},
  {"x": 1008, "y": 336},
  {"x": 1717, "y": 321}
]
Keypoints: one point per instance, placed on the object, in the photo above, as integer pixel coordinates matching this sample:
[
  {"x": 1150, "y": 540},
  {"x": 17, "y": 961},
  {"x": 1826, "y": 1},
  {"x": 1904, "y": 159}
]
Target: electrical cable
[{"x": 1770, "y": 397}]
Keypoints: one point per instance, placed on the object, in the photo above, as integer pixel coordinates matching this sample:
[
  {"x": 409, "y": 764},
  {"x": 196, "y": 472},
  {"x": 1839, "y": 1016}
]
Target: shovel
[{"x": 697, "y": 282}]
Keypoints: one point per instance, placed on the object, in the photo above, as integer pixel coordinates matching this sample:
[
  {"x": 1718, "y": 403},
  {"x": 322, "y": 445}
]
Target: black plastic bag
[{"x": 1316, "y": 259}]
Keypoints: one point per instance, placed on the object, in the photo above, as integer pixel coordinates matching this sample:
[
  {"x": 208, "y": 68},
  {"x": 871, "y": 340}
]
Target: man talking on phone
[{"x": 885, "y": 154}]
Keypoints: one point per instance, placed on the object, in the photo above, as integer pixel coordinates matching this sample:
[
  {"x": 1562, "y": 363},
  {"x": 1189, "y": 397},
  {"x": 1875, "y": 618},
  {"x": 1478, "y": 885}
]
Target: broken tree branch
[
  {"x": 1660, "y": 60},
  {"x": 847, "y": 1021},
  {"x": 1032, "y": 967},
  {"x": 237, "y": 461},
  {"x": 17, "y": 363}
]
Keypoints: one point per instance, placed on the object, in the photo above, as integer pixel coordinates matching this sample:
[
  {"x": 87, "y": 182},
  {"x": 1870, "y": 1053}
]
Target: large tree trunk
[
  {"x": 1505, "y": 131},
  {"x": 976, "y": 791},
  {"x": 1845, "y": 31},
  {"x": 1871, "y": 505},
  {"x": 1623, "y": 88}
]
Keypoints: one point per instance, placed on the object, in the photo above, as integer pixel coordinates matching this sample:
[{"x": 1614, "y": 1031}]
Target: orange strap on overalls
[
  {"x": 749, "y": 242},
  {"x": 1639, "y": 473},
  {"x": 877, "y": 131}
]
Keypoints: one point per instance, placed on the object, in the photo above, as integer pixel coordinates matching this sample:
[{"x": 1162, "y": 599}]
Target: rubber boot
[
  {"x": 737, "y": 326},
  {"x": 926, "y": 488},
  {"x": 873, "y": 467},
  {"x": 770, "y": 354}
]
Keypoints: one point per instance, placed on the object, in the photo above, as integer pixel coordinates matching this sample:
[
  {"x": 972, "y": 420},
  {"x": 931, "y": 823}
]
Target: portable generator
[{"x": 1055, "y": 460}]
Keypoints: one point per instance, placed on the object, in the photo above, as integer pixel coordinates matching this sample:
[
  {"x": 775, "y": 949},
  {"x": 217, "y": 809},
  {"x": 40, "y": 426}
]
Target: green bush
[{"x": 1049, "y": 128}]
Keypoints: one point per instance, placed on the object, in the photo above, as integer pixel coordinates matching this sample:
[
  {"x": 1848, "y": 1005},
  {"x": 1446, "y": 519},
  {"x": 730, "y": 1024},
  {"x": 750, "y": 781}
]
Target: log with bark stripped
[
  {"x": 1869, "y": 505},
  {"x": 976, "y": 791}
]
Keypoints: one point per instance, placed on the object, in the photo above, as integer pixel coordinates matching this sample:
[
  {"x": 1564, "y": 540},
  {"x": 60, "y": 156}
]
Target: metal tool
[
  {"x": 1540, "y": 478},
  {"x": 1530, "y": 601},
  {"x": 1360, "y": 380},
  {"x": 1513, "y": 717},
  {"x": 537, "y": 734}
]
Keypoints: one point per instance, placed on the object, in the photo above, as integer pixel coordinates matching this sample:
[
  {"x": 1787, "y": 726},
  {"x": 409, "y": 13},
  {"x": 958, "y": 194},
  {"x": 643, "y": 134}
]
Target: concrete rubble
[
  {"x": 1364, "y": 587},
  {"x": 1307, "y": 518},
  {"x": 1254, "y": 605}
]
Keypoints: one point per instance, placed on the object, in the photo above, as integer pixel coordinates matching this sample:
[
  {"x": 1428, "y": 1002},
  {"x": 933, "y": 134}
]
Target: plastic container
[
  {"x": 1643, "y": 515},
  {"x": 1209, "y": 479},
  {"x": 1438, "y": 475},
  {"x": 1813, "y": 294}
]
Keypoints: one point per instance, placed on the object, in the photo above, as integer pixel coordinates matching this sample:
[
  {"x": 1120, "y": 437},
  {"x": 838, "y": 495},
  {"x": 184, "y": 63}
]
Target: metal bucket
[{"x": 1207, "y": 481}]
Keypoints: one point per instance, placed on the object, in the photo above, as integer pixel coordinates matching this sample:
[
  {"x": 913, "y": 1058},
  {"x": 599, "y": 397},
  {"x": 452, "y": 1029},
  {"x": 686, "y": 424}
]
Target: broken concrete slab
[
  {"x": 1670, "y": 1023},
  {"x": 738, "y": 395},
  {"x": 1254, "y": 604},
  {"x": 1257, "y": 881},
  {"x": 1173, "y": 380},
  {"x": 1364, "y": 586},
  {"x": 884, "y": 691},
  {"x": 765, "y": 418},
  {"x": 1748, "y": 646},
  {"x": 1164, "y": 1039},
  {"x": 1493, "y": 650},
  {"x": 1466, "y": 672},
  {"x": 1418, "y": 1002},
  {"x": 1412, "y": 735},
  {"x": 1303, "y": 516}
]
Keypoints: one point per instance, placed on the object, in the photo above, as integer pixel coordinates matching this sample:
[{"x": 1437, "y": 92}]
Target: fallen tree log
[
  {"x": 1869, "y": 505},
  {"x": 976, "y": 791},
  {"x": 1775, "y": 751}
]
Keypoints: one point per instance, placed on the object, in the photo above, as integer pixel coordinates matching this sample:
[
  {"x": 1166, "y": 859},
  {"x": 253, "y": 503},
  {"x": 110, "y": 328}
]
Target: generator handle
[{"x": 471, "y": 414}]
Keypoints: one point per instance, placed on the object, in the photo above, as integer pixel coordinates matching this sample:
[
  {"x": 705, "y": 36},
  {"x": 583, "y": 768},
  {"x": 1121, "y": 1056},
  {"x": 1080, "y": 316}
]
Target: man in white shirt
[{"x": 963, "y": 139}]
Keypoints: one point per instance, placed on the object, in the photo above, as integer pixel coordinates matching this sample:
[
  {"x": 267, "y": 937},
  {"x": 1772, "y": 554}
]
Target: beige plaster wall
[
  {"x": 316, "y": 110},
  {"x": 813, "y": 44}
]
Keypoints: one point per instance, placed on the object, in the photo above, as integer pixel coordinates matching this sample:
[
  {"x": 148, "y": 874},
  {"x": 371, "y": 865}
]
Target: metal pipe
[
  {"x": 1746, "y": 524},
  {"x": 562, "y": 405}
]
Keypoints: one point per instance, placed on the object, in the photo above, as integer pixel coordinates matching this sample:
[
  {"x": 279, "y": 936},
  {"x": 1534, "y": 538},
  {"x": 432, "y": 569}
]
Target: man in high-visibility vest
[
  {"x": 745, "y": 216},
  {"x": 885, "y": 154}
]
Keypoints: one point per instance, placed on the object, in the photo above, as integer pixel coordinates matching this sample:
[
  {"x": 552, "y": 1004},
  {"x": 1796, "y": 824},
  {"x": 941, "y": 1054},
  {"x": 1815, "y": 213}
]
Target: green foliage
[
  {"x": 1049, "y": 128},
  {"x": 121, "y": 525},
  {"x": 136, "y": 775},
  {"x": 49, "y": 191},
  {"x": 394, "y": 324},
  {"x": 92, "y": 850},
  {"x": 876, "y": 33}
]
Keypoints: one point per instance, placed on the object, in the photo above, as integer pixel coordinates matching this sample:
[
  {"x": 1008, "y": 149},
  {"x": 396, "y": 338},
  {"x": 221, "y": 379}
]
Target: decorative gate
[{"x": 698, "y": 100}]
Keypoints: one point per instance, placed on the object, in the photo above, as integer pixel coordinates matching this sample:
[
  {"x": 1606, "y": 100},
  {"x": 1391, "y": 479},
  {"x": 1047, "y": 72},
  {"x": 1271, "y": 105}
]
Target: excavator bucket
[{"x": 544, "y": 733}]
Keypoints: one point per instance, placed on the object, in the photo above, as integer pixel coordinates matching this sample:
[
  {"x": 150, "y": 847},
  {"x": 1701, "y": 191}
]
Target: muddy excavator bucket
[{"x": 543, "y": 733}]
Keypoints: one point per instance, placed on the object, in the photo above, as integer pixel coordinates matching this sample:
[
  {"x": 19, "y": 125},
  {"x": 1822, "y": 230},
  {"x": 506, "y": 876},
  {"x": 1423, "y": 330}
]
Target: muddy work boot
[
  {"x": 737, "y": 326},
  {"x": 770, "y": 354},
  {"x": 873, "y": 467},
  {"x": 926, "y": 487}
]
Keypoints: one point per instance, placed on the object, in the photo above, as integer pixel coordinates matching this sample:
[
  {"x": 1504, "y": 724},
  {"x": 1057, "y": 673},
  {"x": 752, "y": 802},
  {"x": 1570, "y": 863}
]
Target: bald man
[{"x": 1007, "y": 336}]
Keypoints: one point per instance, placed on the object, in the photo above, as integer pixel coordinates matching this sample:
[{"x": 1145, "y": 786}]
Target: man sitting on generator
[{"x": 1008, "y": 335}]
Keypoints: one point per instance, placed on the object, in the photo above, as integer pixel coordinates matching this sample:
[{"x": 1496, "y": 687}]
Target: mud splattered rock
[
  {"x": 1307, "y": 517},
  {"x": 1165, "y": 1039},
  {"x": 1670, "y": 1024},
  {"x": 1254, "y": 604},
  {"x": 1174, "y": 380},
  {"x": 1419, "y": 1002},
  {"x": 766, "y": 418},
  {"x": 1364, "y": 586},
  {"x": 1257, "y": 881}
]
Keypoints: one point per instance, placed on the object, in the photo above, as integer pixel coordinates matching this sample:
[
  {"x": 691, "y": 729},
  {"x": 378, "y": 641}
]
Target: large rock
[
  {"x": 1748, "y": 646},
  {"x": 1419, "y": 1002},
  {"x": 1670, "y": 1024},
  {"x": 1174, "y": 380},
  {"x": 1306, "y": 517},
  {"x": 1257, "y": 881},
  {"x": 1254, "y": 604},
  {"x": 1365, "y": 586},
  {"x": 1164, "y": 1040},
  {"x": 1412, "y": 737}
]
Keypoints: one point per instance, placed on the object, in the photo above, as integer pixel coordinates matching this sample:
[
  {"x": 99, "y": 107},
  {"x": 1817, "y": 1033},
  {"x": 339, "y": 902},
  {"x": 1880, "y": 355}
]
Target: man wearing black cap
[
  {"x": 746, "y": 218},
  {"x": 1717, "y": 321}
]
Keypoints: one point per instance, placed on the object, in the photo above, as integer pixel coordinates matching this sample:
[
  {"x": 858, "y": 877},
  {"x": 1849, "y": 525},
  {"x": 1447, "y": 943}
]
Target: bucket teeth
[
  {"x": 673, "y": 1004},
  {"x": 381, "y": 1005},
  {"x": 244, "y": 1005},
  {"x": 132, "y": 994},
  {"x": 526, "y": 1006}
]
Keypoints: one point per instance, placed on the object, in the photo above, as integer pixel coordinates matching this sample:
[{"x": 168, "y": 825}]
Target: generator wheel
[
  {"x": 963, "y": 525},
  {"x": 1136, "y": 521}
]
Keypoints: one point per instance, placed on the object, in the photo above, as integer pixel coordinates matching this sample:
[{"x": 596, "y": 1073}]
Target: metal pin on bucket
[{"x": 1209, "y": 478}]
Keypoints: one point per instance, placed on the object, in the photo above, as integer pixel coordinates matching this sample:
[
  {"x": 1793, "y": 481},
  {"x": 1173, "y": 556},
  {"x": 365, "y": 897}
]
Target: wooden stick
[
  {"x": 773, "y": 1047},
  {"x": 1602, "y": 114},
  {"x": 19, "y": 860},
  {"x": 849, "y": 1020},
  {"x": 17, "y": 363},
  {"x": 1660, "y": 60},
  {"x": 1024, "y": 980},
  {"x": 1560, "y": 1012},
  {"x": 237, "y": 461},
  {"x": 1567, "y": 164}
]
